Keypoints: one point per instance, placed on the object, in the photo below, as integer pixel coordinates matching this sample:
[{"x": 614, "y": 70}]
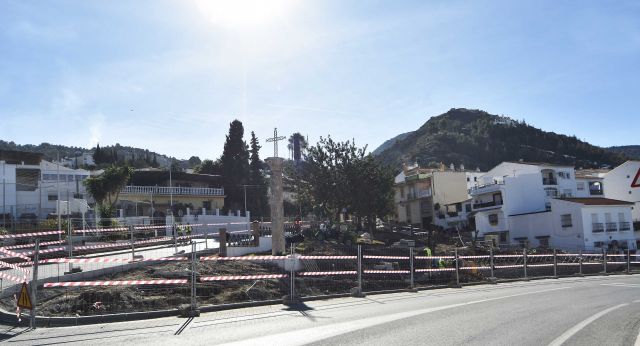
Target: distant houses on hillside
[{"x": 530, "y": 204}]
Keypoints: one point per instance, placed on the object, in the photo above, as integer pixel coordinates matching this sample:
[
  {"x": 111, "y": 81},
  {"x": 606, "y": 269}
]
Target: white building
[
  {"x": 513, "y": 188},
  {"x": 577, "y": 224},
  {"x": 31, "y": 186},
  {"x": 551, "y": 205},
  {"x": 623, "y": 183}
]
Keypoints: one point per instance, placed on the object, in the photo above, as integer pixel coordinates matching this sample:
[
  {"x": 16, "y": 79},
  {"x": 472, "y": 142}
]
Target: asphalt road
[{"x": 571, "y": 311}]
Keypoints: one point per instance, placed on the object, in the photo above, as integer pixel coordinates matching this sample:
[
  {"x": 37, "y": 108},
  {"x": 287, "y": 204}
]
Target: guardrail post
[
  {"x": 524, "y": 258},
  {"x": 555, "y": 263},
  {"x": 604, "y": 257},
  {"x": 133, "y": 246},
  {"x": 34, "y": 285},
  {"x": 580, "y": 261},
  {"x": 457, "y": 268},
  {"x": 628, "y": 261},
  {"x": 491, "y": 261},
  {"x": 411, "y": 266},
  {"x": 222, "y": 240},
  {"x": 193, "y": 278},
  {"x": 206, "y": 241},
  {"x": 359, "y": 259}
]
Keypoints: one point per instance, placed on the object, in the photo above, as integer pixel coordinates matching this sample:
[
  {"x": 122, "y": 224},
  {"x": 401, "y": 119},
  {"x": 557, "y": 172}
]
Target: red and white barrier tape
[
  {"x": 472, "y": 257},
  {"x": 26, "y": 246},
  {"x": 435, "y": 270},
  {"x": 616, "y": 262},
  {"x": 506, "y": 256},
  {"x": 434, "y": 257},
  {"x": 33, "y": 234},
  {"x": 347, "y": 272},
  {"x": 243, "y": 258},
  {"x": 539, "y": 255},
  {"x": 569, "y": 264},
  {"x": 509, "y": 266},
  {"x": 14, "y": 266},
  {"x": 14, "y": 254},
  {"x": 326, "y": 257},
  {"x": 540, "y": 265},
  {"x": 242, "y": 277},
  {"x": 109, "y": 260},
  {"x": 13, "y": 278},
  {"x": 386, "y": 272},
  {"x": 386, "y": 257},
  {"x": 115, "y": 283},
  {"x": 55, "y": 249},
  {"x": 474, "y": 268},
  {"x": 568, "y": 255}
]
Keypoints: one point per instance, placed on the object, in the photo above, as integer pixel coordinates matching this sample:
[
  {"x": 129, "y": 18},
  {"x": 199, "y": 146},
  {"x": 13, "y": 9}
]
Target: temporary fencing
[{"x": 193, "y": 275}]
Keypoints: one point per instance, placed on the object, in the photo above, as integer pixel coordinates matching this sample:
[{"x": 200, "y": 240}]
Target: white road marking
[
  {"x": 309, "y": 335},
  {"x": 621, "y": 285},
  {"x": 578, "y": 327}
]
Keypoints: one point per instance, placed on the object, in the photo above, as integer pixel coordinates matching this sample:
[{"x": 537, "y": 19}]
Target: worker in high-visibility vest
[{"x": 427, "y": 253}]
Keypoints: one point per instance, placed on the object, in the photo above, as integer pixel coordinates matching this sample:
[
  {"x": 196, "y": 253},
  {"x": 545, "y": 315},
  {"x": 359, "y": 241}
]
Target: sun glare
[{"x": 244, "y": 14}]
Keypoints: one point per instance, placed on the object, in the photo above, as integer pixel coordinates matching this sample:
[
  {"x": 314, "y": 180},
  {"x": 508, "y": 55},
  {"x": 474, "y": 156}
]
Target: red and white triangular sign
[{"x": 636, "y": 180}]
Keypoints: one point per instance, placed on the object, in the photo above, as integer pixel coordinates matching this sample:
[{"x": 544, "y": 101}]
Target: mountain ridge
[{"x": 478, "y": 139}]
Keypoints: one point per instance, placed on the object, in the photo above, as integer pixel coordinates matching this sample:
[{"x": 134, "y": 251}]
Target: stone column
[{"x": 277, "y": 208}]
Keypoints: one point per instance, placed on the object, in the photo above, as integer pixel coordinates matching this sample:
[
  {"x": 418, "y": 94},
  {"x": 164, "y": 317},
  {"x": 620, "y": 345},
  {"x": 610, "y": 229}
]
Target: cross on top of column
[{"x": 275, "y": 140}]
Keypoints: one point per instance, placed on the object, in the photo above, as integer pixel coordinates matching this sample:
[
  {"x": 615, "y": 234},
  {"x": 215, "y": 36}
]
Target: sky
[{"x": 170, "y": 75}]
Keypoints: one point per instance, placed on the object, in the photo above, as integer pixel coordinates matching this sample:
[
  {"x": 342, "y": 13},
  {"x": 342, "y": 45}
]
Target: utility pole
[{"x": 58, "y": 198}]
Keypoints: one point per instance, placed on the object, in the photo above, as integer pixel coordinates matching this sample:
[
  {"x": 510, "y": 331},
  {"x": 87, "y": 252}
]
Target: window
[
  {"x": 581, "y": 186},
  {"x": 543, "y": 242},
  {"x": 475, "y": 178},
  {"x": 53, "y": 197},
  {"x": 78, "y": 196},
  {"x": 467, "y": 208},
  {"x": 458, "y": 207},
  {"x": 565, "y": 220},
  {"x": 468, "y": 179},
  {"x": 493, "y": 219},
  {"x": 402, "y": 192},
  {"x": 503, "y": 237},
  {"x": 598, "y": 244}
]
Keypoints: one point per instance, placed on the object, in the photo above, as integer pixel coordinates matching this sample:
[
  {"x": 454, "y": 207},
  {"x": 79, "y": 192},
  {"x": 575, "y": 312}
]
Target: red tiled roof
[{"x": 596, "y": 201}]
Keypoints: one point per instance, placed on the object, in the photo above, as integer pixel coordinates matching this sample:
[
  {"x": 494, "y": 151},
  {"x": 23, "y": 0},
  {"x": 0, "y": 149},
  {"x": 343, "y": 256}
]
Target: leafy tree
[
  {"x": 194, "y": 161},
  {"x": 235, "y": 166},
  {"x": 105, "y": 188},
  {"x": 209, "y": 167}
]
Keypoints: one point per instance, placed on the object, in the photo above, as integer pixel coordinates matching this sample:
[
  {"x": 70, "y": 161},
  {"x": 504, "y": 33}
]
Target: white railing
[
  {"x": 424, "y": 193},
  {"x": 163, "y": 190}
]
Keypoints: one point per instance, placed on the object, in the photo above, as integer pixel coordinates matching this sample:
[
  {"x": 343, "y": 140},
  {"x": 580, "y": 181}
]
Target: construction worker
[{"x": 427, "y": 253}]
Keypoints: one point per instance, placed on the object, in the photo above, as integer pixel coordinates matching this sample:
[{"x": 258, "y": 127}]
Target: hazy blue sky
[{"x": 171, "y": 75}]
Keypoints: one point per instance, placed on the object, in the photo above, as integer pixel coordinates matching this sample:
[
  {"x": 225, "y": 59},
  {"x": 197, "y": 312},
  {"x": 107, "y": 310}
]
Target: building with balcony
[
  {"x": 423, "y": 194},
  {"x": 590, "y": 183},
  {"x": 31, "y": 187},
  {"x": 153, "y": 192},
  {"x": 516, "y": 188},
  {"x": 578, "y": 224}
]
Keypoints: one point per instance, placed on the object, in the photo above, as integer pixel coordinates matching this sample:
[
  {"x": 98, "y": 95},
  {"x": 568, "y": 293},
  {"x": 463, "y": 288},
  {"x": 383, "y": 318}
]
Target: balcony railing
[
  {"x": 424, "y": 193},
  {"x": 549, "y": 181},
  {"x": 624, "y": 226},
  {"x": 612, "y": 227},
  {"x": 485, "y": 188},
  {"x": 598, "y": 227},
  {"x": 486, "y": 204},
  {"x": 163, "y": 190}
]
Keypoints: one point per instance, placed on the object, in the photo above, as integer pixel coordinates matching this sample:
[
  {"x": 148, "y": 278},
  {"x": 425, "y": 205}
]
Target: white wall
[
  {"x": 483, "y": 225},
  {"x": 617, "y": 185},
  {"x": 628, "y": 237},
  {"x": 531, "y": 226},
  {"x": 7, "y": 187},
  {"x": 523, "y": 194},
  {"x": 567, "y": 238}
]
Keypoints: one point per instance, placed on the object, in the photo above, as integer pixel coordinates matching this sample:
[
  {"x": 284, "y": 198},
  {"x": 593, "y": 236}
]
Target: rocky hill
[
  {"x": 630, "y": 151},
  {"x": 478, "y": 139},
  {"x": 136, "y": 156}
]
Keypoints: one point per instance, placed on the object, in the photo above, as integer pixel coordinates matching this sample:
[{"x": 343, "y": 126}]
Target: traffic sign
[
  {"x": 636, "y": 180},
  {"x": 24, "y": 301}
]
